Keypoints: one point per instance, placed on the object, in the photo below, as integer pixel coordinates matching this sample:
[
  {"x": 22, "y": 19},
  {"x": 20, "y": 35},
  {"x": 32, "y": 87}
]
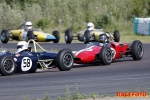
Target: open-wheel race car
[
  {"x": 87, "y": 36},
  {"x": 108, "y": 52},
  {"x": 37, "y": 34},
  {"x": 42, "y": 59}
]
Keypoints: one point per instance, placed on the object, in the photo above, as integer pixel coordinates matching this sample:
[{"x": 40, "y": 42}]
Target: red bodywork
[{"x": 89, "y": 55}]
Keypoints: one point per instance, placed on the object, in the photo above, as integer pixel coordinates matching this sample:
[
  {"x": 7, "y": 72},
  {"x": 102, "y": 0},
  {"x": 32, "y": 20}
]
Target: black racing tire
[
  {"x": 64, "y": 60},
  {"x": 68, "y": 36},
  {"x": 56, "y": 35},
  {"x": 116, "y": 36},
  {"x": 30, "y": 35},
  {"x": 137, "y": 50},
  {"x": 5, "y": 36},
  {"x": 86, "y": 37},
  {"x": 105, "y": 55},
  {"x": 7, "y": 65}
]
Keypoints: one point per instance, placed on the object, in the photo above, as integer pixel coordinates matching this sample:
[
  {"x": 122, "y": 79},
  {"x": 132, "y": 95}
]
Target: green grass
[
  {"x": 68, "y": 96},
  {"x": 131, "y": 38},
  {"x": 92, "y": 96}
]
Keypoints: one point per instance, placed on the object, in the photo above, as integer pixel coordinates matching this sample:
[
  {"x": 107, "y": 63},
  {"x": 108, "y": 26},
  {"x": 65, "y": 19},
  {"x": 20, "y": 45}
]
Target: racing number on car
[{"x": 26, "y": 64}]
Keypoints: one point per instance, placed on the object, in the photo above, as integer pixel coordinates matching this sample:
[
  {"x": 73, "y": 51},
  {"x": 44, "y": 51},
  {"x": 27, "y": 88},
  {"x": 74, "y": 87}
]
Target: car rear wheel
[
  {"x": 68, "y": 36},
  {"x": 5, "y": 36},
  {"x": 57, "y": 36},
  {"x": 30, "y": 35},
  {"x": 137, "y": 50},
  {"x": 116, "y": 36},
  {"x": 7, "y": 65},
  {"x": 86, "y": 37},
  {"x": 105, "y": 56},
  {"x": 64, "y": 60}
]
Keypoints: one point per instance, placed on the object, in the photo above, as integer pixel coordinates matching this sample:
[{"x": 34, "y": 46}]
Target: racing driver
[
  {"x": 22, "y": 49},
  {"x": 90, "y": 27}
]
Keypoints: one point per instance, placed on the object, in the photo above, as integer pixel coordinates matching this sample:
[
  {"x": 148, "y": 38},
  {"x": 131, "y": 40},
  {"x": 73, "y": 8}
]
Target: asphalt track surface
[{"x": 121, "y": 76}]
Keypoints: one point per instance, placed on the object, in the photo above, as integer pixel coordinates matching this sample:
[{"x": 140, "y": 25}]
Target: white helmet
[
  {"x": 90, "y": 26},
  {"x": 22, "y": 45},
  {"x": 28, "y": 25}
]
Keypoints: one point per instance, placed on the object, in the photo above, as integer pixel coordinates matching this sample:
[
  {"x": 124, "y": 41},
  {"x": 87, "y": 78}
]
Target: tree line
[{"x": 74, "y": 14}]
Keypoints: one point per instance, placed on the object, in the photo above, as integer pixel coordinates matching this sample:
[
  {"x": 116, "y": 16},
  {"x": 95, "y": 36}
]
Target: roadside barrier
[{"x": 142, "y": 26}]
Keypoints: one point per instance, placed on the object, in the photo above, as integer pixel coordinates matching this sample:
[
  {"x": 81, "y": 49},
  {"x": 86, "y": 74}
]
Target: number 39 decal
[{"x": 26, "y": 64}]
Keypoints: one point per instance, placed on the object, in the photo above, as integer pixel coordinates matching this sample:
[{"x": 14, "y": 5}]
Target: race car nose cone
[
  {"x": 85, "y": 56},
  {"x": 50, "y": 37}
]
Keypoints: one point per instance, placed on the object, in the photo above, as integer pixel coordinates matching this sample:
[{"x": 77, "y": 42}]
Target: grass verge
[{"x": 92, "y": 96}]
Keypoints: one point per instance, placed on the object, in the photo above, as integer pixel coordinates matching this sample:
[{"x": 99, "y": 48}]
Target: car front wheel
[
  {"x": 86, "y": 37},
  {"x": 105, "y": 55},
  {"x": 137, "y": 50},
  {"x": 7, "y": 65},
  {"x": 64, "y": 60}
]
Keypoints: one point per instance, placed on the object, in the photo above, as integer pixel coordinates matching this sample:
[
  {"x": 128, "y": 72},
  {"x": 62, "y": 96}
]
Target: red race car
[{"x": 108, "y": 52}]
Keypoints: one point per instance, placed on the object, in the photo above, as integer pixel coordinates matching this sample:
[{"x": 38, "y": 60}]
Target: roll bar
[{"x": 35, "y": 44}]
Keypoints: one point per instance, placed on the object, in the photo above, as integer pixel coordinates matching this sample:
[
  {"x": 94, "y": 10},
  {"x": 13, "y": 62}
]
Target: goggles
[
  {"x": 19, "y": 46},
  {"x": 29, "y": 25}
]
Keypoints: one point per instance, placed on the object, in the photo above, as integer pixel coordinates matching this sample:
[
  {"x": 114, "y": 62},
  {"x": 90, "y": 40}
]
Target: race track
[{"x": 121, "y": 76}]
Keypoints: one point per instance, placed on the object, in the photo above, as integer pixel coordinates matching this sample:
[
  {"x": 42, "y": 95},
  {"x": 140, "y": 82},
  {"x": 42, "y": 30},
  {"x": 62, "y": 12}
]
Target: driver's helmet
[
  {"x": 90, "y": 26},
  {"x": 21, "y": 46},
  {"x": 102, "y": 38},
  {"x": 28, "y": 25}
]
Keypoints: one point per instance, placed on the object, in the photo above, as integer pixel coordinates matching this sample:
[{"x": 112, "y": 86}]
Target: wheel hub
[
  {"x": 108, "y": 55},
  {"x": 140, "y": 50},
  {"x": 8, "y": 65},
  {"x": 66, "y": 38},
  {"x": 67, "y": 60},
  {"x": 84, "y": 38}
]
